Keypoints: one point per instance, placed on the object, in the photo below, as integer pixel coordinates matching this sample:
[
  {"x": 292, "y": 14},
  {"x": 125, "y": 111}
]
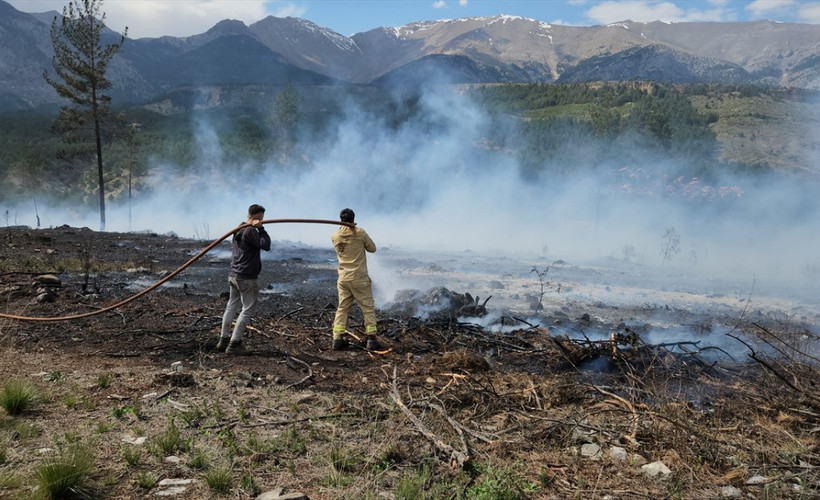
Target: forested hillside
[{"x": 547, "y": 129}]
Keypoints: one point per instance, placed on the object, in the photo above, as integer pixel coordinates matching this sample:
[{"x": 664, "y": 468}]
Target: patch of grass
[
  {"x": 216, "y": 412},
  {"x": 248, "y": 484},
  {"x": 66, "y": 475},
  {"x": 192, "y": 416},
  {"x": 17, "y": 397},
  {"x": 342, "y": 460},
  {"x": 259, "y": 450},
  {"x": 389, "y": 457},
  {"x": 131, "y": 454},
  {"x": 134, "y": 409},
  {"x": 25, "y": 430},
  {"x": 413, "y": 485},
  {"x": 295, "y": 442},
  {"x": 146, "y": 480},
  {"x": 104, "y": 380},
  {"x": 71, "y": 437},
  {"x": 54, "y": 376},
  {"x": 337, "y": 480},
  {"x": 71, "y": 401},
  {"x": 244, "y": 413},
  {"x": 9, "y": 480},
  {"x": 219, "y": 479},
  {"x": 500, "y": 483},
  {"x": 169, "y": 440},
  {"x": 103, "y": 427},
  {"x": 199, "y": 460}
]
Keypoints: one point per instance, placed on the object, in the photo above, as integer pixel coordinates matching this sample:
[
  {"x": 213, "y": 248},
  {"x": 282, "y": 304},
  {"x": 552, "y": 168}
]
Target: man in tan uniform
[{"x": 354, "y": 283}]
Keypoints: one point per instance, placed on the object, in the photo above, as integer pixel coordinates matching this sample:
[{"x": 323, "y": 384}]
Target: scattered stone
[
  {"x": 618, "y": 453},
  {"x": 276, "y": 494},
  {"x": 134, "y": 440},
  {"x": 270, "y": 495},
  {"x": 656, "y": 469},
  {"x": 730, "y": 492},
  {"x": 172, "y": 460},
  {"x": 49, "y": 279},
  {"x": 172, "y": 491},
  {"x": 757, "y": 480},
  {"x": 591, "y": 450},
  {"x": 175, "y": 482}
]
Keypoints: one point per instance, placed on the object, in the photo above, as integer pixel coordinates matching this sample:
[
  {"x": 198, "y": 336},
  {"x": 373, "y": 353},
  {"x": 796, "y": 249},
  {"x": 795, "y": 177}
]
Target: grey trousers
[{"x": 244, "y": 294}]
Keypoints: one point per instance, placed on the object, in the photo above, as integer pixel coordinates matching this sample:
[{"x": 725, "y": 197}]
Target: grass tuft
[
  {"x": 17, "y": 397},
  {"x": 67, "y": 475},
  {"x": 219, "y": 479},
  {"x": 146, "y": 480}
]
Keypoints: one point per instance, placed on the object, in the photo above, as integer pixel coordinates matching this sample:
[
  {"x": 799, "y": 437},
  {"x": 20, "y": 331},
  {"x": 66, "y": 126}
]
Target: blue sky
[{"x": 152, "y": 18}]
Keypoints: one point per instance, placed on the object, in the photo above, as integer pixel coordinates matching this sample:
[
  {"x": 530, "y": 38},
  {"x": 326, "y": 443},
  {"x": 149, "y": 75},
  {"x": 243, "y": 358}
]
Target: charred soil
[{"x": 449, "y": 408}]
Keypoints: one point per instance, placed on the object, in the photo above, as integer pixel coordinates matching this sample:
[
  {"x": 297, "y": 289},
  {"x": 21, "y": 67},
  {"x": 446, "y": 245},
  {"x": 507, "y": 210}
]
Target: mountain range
[{"x": 497, "y": 49}]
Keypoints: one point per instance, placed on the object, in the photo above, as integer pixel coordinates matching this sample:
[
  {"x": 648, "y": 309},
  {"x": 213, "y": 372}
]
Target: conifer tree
[{"x": 80, "y": 62}]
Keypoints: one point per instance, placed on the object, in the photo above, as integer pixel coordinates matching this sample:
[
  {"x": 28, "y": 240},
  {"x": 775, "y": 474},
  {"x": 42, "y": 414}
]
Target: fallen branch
[
  {"x": 308, "y": 376},
  {"x": 631, "y": 436},
  {"x": 296, "y": 420},
  {"x": 458, "y": 426},
  {"x": 457, "y": 458}
]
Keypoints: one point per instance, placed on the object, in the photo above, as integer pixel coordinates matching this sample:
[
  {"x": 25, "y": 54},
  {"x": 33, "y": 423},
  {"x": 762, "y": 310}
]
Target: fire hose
[{"x": 176, "y": 272}]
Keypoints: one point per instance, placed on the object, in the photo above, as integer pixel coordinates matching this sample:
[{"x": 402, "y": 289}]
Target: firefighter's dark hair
[
  {"x": 347, "y": 215},
  {"x": 256, "y": 209}
]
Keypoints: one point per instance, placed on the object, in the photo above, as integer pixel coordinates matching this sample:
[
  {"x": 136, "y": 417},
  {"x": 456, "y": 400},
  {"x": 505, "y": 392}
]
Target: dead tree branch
[{"x": 457, "y": 458}]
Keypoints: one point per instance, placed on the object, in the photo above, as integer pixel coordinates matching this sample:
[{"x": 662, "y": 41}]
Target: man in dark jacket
[{"x": 246, "y": 264}]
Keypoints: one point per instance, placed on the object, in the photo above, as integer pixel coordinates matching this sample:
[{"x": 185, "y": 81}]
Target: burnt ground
[{"x": 469, "y": 399}]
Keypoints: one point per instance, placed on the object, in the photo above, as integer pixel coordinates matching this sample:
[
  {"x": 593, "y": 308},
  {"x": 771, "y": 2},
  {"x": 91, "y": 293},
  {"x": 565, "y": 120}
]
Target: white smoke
[{"x": 432, "y": 184}]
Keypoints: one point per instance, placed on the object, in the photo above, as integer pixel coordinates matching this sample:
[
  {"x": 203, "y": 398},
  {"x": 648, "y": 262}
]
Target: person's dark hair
[
  {"x": 347, "y": 215},
  {"x": 256, "y": 209}
]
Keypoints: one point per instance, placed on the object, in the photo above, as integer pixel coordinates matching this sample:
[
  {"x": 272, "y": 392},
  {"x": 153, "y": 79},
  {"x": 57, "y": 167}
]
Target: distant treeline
[
  {"x": 552, "y": 130},
  {"x": 615, "y": 124}
]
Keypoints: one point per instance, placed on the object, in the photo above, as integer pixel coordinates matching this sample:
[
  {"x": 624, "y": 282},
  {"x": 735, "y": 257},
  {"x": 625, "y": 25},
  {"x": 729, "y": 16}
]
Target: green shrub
[
  {"x": 67, "y": 475},
  {"x": 220, "y": 479},
  {"x": 500, "y": 483},
  {"x": 131, "y": 454},
  {"x": 169, "y": 440},
  {"x": 104, "y": 380},
  {"x": 146, "y": 480},
  {"x": 17, "y": 397},
  {"x": 198, "y": 460}
]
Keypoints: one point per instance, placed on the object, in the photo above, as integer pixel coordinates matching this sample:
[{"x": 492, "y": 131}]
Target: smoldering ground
[{"x": 434, "y": 183}]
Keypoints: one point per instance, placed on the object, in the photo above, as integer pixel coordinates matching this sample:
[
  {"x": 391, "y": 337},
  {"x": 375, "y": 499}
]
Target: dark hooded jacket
[{"x": 246, "y": 261}]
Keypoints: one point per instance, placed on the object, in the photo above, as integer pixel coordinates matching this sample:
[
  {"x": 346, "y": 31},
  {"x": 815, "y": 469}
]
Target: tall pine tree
[{"x": 80, "y": 62}]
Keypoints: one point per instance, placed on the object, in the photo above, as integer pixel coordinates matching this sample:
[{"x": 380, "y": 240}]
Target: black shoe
[
  {"x": 236, "y": 347},
  {"x": 340, "y": 344},
  {"x": 372, "y": 344},
  {"x": 222, "y": 344}
]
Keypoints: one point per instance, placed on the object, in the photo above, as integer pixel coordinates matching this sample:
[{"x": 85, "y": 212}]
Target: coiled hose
[{"x": 173, "y": 274}]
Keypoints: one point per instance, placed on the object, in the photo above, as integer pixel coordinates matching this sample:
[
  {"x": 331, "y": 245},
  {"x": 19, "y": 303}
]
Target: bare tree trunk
[{"x": 100, "y": 168}]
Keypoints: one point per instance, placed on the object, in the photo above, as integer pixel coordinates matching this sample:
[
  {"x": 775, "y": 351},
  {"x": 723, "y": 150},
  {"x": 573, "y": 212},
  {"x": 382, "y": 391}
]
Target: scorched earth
[{"x": 500, "y": 378}]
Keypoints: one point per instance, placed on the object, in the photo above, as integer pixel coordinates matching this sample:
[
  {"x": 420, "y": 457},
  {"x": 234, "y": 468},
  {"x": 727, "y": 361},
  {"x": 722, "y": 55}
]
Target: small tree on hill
[{"x": 80, "y": 62}]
